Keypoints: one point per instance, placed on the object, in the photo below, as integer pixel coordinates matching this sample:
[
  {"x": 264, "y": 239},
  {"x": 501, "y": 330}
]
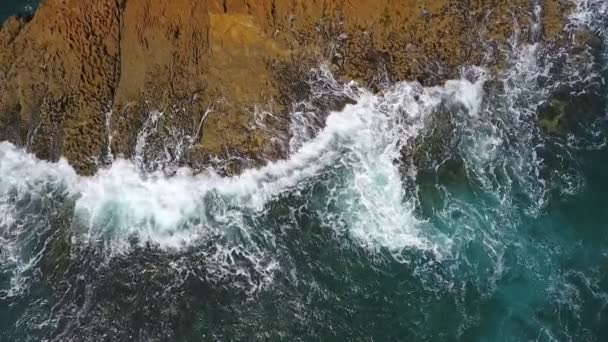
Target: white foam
[
  {"x": 185, "y": 209},
  {"x": 22, "y": 172},
  {"x": 588, "y": 13},
  {"x": 23, "y": 180},
  {"x": 109, "y": 136}
]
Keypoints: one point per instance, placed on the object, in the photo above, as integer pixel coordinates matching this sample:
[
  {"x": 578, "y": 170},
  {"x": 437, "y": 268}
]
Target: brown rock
[
  {"x": 77, "y": 60},
  {"x": 59, "y": 77}
]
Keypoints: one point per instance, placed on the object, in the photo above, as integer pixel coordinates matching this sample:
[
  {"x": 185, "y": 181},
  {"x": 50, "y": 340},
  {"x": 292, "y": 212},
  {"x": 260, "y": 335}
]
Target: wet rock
[
  {"x": 436, "y": 149},
  {"x": 68, "y": 50},
  {"x": 551, "y": 115},
  {"x": 232, "y": 168},
  {"x": 585, "y": 38},
  {"x": 568, "y": 108}
]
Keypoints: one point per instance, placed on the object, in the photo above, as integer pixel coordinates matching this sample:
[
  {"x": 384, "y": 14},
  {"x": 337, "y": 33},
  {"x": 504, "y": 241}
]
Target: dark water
[
  {"x": 19, "y": 7},
  {"x": 499, "y": 235}
]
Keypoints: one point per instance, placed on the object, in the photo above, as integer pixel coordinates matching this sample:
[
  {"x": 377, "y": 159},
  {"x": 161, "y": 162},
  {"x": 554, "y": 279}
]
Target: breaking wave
[
  {"x": 442, "y": 194},
  {"x": 361, "y": 143}
]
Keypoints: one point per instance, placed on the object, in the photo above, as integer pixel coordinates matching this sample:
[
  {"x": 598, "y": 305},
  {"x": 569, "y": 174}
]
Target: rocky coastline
[{"x": 80, "y": 78}]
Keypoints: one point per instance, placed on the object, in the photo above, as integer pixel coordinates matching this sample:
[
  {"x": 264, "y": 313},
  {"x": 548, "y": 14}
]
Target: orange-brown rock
[
  {"x": 57, "y": 77},
  {"x": 77, "y": 60}
]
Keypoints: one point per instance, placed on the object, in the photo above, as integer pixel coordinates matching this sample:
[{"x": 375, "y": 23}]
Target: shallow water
[
  {"x": 21, "y": 7},
  {"x": 444, "y": 213}
]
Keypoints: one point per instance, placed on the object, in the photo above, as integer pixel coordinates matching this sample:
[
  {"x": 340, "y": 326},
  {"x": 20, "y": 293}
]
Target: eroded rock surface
[{"x": 81, "y": 77}]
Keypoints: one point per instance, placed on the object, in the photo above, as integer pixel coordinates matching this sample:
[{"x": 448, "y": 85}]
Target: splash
[{"x": 121, "y": 201}]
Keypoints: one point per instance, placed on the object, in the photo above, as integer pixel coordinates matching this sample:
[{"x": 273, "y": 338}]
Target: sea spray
[
  {"x": 217, "y": 223},
  {"x": 121, "y": 201}
]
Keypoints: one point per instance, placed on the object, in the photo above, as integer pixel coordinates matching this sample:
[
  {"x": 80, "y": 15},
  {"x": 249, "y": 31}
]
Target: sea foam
[{"x": 122, "y": 201}]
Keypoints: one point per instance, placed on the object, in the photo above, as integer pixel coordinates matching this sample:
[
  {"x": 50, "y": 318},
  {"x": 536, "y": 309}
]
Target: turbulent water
[{"x": 457, "y": 212}]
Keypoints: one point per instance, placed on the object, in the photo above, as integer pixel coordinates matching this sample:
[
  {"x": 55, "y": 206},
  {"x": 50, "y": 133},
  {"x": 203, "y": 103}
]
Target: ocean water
[
  {"x": 448, "y": 213},
  {"x": 17, "y": 7}
]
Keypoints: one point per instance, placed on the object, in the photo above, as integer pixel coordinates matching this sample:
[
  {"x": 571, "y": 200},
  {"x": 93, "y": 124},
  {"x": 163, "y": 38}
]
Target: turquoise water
[{"x": 417, "y": 214}]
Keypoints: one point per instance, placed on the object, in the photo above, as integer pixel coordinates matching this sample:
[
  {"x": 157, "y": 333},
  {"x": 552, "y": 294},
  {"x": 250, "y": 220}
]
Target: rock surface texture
[{"x": 81, "y": 78}]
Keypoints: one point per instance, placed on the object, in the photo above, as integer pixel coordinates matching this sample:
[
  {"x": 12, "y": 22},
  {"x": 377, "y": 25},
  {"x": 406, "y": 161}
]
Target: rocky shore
[{"x": 81, "y": 77}]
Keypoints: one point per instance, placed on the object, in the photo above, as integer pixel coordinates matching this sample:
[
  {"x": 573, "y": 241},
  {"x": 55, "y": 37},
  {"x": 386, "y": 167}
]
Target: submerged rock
[{"x": 213, "y": 66}]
